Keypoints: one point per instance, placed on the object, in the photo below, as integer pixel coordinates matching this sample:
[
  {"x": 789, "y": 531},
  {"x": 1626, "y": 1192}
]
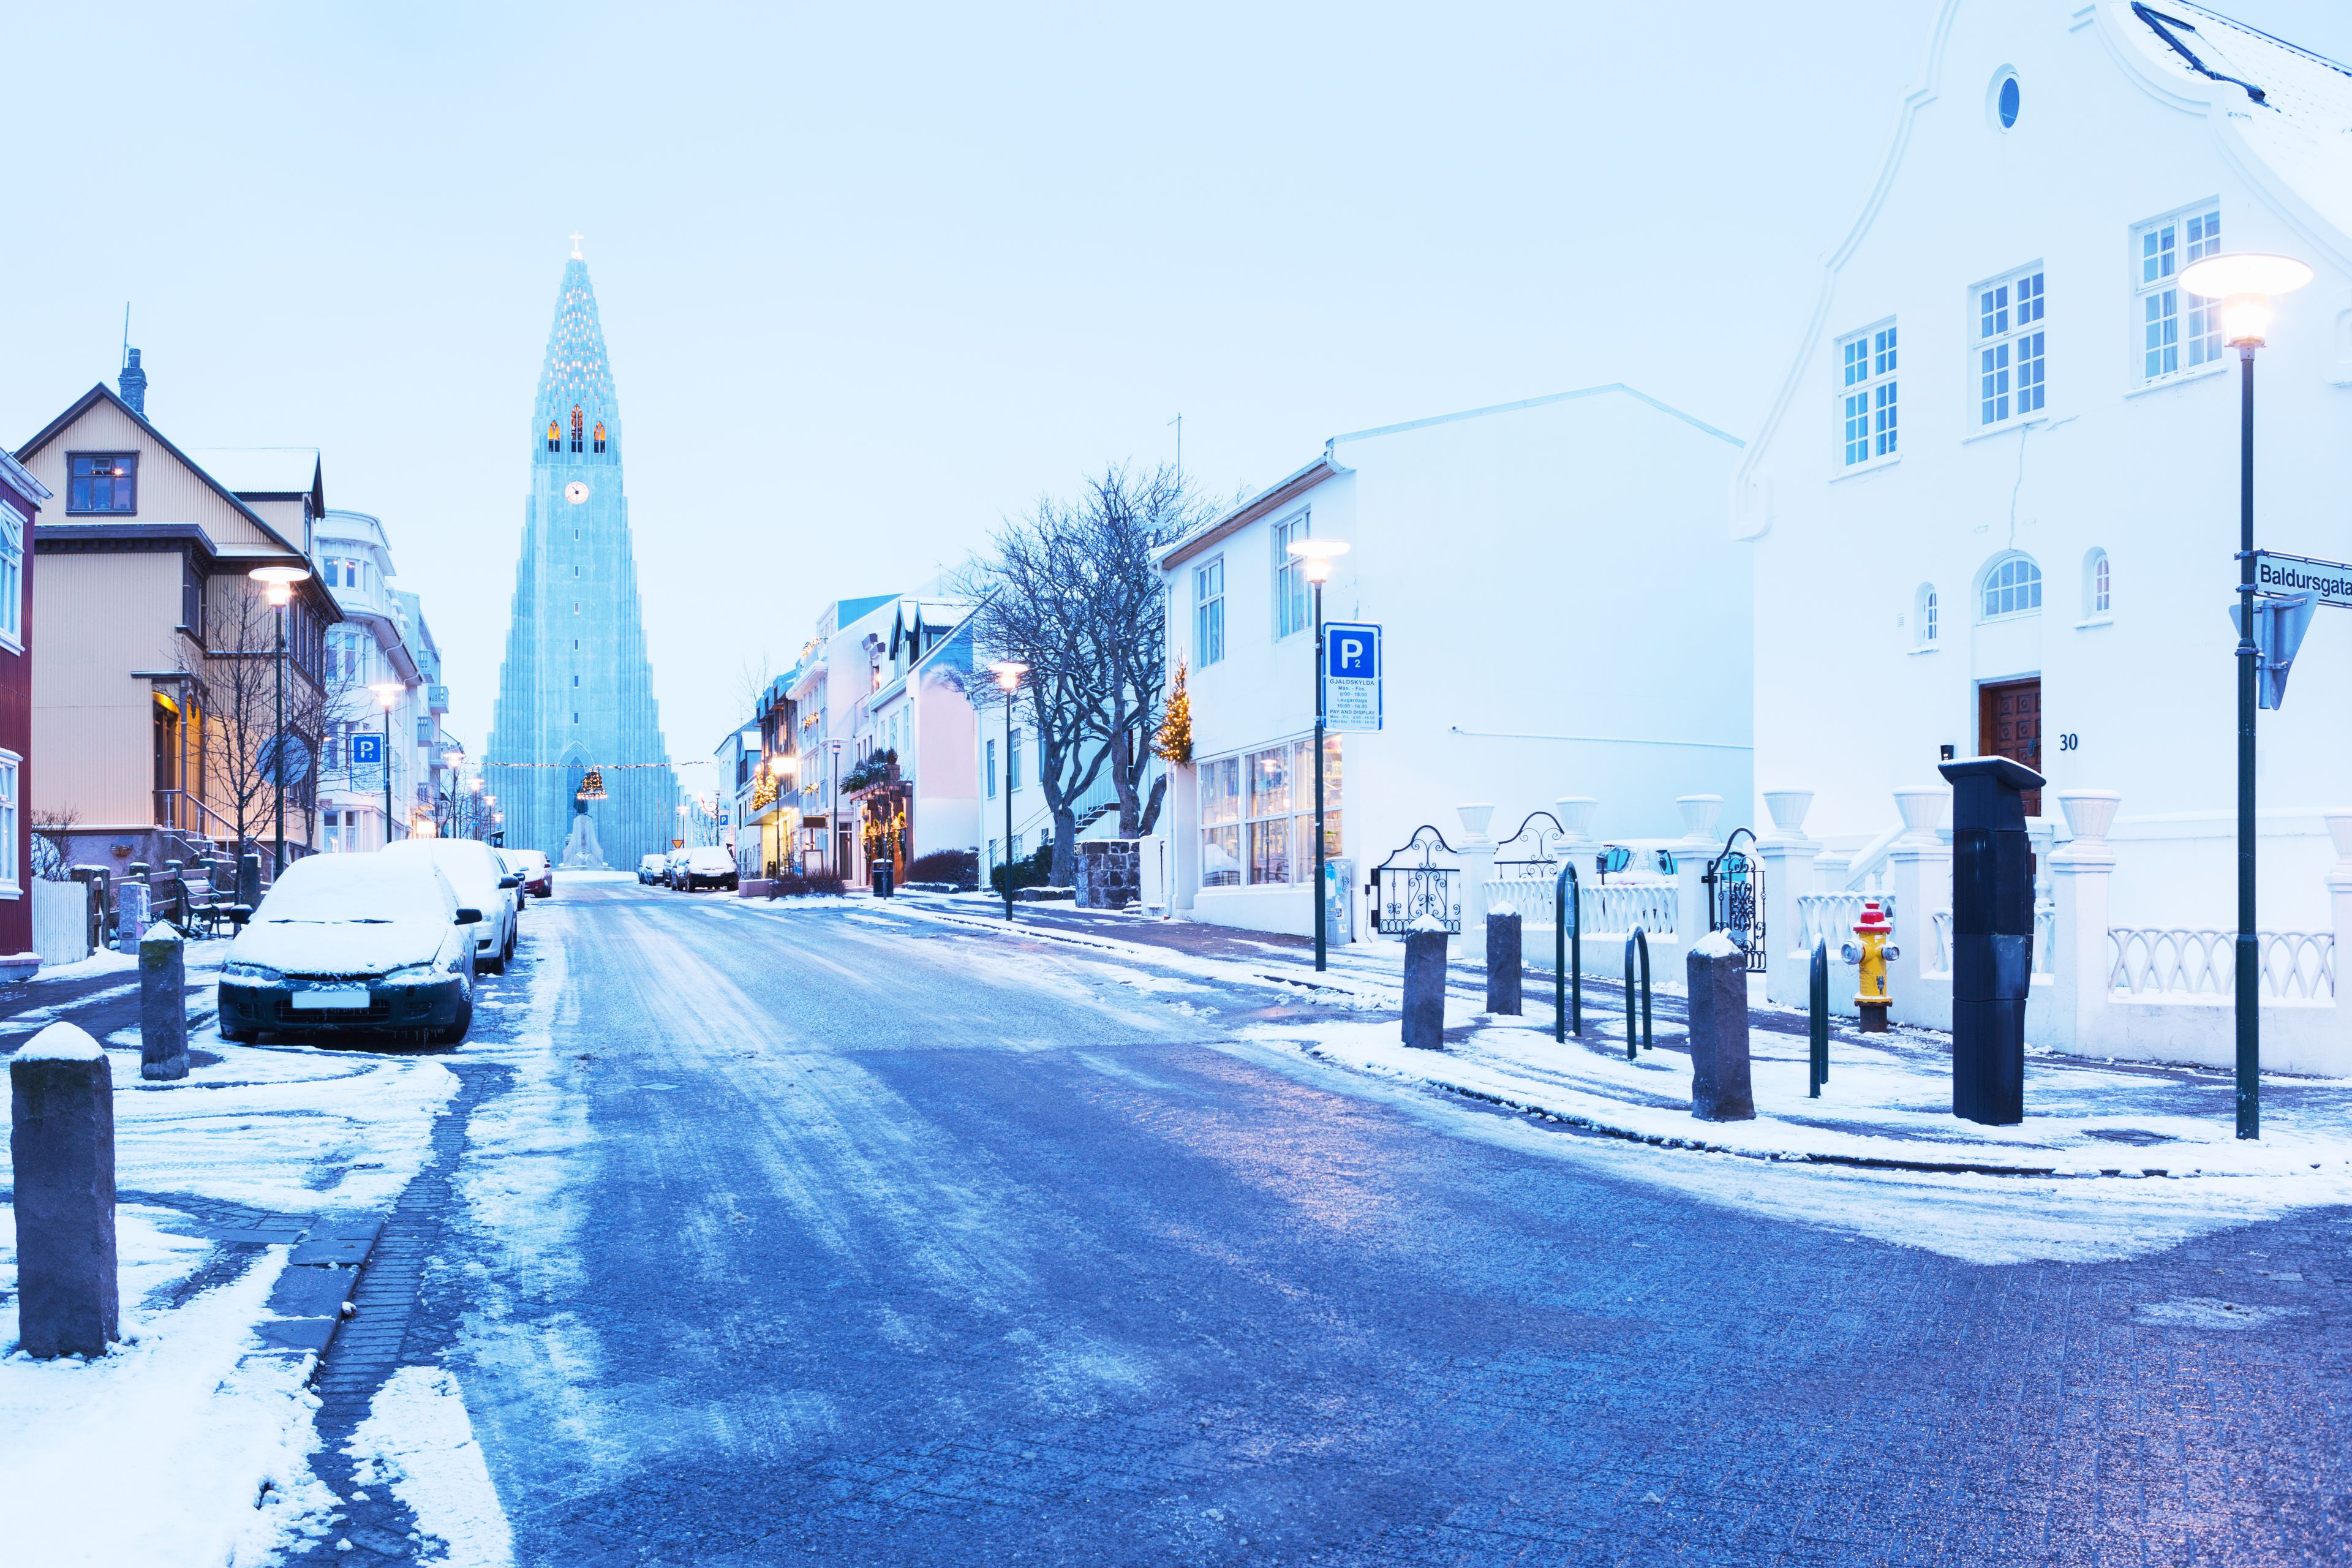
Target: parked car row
[
  {"x": 705, "y": 866},
  {"x": 387, "y": 943}
]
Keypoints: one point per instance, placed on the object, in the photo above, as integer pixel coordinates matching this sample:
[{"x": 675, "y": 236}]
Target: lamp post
[
  {"x": 278, "y": 587},
  {"x": 2245, "y": 285},
  {"x": 387, "y": 692},
  {"x": 1008, "y": 672},
  {"x": 833, "y": 812},
  {"x": 1316, "y": 554}
]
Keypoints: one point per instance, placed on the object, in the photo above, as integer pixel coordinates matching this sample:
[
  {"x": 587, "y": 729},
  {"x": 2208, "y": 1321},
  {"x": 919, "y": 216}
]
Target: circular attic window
[{"x": 2005, "y": 99}]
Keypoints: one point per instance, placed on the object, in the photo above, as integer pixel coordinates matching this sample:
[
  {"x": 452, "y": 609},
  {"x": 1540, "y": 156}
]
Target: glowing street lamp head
[
  {"x": 1318, "y": 554},
  {"x": 1008, "y": 672},
  {"x": 2245, "y": 284},
  {"x": 387, "y": 691},
  {"x": 278, "y": 582}
]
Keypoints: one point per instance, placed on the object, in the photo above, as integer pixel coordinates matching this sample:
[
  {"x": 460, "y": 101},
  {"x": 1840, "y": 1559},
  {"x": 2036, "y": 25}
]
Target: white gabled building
[
  {"x": 1562, "y": 618},
  {"x": 1994, "y": 508}
]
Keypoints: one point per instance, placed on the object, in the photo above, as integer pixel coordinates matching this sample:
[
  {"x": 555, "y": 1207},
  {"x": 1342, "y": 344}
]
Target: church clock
[{"x": 575, "y": 492}]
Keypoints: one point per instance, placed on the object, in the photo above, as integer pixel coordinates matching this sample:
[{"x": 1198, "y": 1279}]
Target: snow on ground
[
  {"x": 418, "y": 1441},
  {"x": 176, "y": 1448},
  {"x": 105, "y": 961}
]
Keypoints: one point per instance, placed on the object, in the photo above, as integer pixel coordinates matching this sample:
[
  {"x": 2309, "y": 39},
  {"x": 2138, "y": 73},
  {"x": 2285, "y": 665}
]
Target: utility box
[
  {"x": 1992, "y": 937},
  {"x": 1339, "y": 901}
]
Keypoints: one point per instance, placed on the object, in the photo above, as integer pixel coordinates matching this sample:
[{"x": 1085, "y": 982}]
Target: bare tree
[
  {"x": 52, "y": 828},
  {"x": 752, "y": 678},
  {"x": 1072, "y": 592},
  {"x": 234, "y": 689}
]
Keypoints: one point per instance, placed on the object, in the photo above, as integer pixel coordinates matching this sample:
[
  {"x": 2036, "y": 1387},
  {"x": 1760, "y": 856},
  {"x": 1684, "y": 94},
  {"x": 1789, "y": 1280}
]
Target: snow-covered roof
[
  {"x": 2300, "y": 104},
  {"x": 261, "y": 470}
]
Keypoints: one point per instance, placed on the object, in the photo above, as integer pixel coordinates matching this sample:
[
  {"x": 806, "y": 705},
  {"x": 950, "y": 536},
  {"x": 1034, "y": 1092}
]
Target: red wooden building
[{"x": 21, "y": 496}]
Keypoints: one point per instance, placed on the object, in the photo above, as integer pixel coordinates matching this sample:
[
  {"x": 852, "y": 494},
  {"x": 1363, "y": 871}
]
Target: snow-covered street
[{"x": 860, "y": 1231}]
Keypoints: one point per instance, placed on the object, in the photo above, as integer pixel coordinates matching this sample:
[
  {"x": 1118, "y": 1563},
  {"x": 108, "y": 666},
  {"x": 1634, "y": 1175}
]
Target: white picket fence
[
  {"x": 2153, "y": 961},
  {"x": 60, "y": 920}
]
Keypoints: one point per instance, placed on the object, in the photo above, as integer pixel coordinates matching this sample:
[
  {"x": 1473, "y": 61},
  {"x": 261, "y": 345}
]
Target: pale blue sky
[{"x": 869, "y": 284}]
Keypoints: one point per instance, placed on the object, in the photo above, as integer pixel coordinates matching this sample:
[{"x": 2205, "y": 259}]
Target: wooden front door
[{"x": 2009, "y": 724}]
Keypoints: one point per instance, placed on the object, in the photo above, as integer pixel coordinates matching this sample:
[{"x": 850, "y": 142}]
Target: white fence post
[
  {"x": 1788, "y": 856},
  {"x": 1692, "y": 914},
  {"x": 1478, "y": 852},
  {"x": 2077, "y": 1015},
  {"x": 1919, "y": 875}
]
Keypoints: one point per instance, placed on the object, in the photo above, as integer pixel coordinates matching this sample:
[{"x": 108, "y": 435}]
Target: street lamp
[
  {"x": 387, "y": 692},
  {"x": 278, "y": 587},
  {"x": 1317, "y": 555},
  {"x": 833, "y": 812},
  {"x": 2245, "y": 285},
  {"x": 1008, "y": 672}
]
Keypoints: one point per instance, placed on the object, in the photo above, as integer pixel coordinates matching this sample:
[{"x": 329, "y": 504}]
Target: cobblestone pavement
[{"x": 871, "y": 1243}]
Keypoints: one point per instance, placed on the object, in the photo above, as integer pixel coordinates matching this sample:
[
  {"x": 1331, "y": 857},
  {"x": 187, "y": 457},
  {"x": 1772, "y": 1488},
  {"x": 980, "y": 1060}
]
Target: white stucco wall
[
  {"x": 1562, "y": 615},
  {"x": 1844, "y": 705}
]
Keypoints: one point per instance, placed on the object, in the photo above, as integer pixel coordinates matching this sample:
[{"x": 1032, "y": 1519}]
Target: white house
[
  {"x": 1562, "y": 618},
  {"x": 915, "y": 737},
  {"x": 370, "y": 650},
  {"x": 1994, "y": 508}
]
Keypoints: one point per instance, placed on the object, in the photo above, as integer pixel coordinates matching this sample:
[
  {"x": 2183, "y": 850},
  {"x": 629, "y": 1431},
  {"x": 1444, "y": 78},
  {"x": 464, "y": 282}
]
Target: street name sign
[
  {"x": 2330, "y": 582},
  {"x": 1351, "y": 676}
]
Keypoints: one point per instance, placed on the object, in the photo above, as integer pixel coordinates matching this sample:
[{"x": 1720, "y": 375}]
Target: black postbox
[{"x": 1993, "y": 936}]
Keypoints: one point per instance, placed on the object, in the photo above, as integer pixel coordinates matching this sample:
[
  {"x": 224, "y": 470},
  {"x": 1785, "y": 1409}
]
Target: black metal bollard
[
  {"x": 1992, "y": 937},
  {"x": 1637, "y": 941},
  {"x": 1568, "y": 956},
  {"x": 248, "y": 880},
  {"x": 1720, "y": 1086},
  {"x": 61, "y": 1139},
  {"x": 1424, "y": 989},
  {"x": 162, "y": 1004},
  {"x": 1503, "y": 963},
  {"x": 1817, "y": 1029}
]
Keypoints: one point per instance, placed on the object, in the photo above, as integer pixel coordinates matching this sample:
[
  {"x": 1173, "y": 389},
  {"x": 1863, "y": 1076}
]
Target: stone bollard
[
  {"x": 162, "y": 1004},
  {"x": 61, "y": 1140},
  {"x": 248, "y": 880},
  {"x": 1503, "y": 961},
  {"x": 130, "y": 905},
  {"x": 1424, "y": 983},
  {"x": 1718, "y": 973}
]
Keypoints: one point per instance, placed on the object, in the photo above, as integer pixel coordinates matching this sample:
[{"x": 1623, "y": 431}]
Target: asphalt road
[{"x": 778, "y": 1236}]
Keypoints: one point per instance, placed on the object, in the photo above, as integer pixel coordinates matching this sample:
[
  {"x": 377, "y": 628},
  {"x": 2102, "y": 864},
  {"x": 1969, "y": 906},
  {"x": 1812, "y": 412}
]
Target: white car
[
  {"x": 483, "y": 882},
  {"x": 707, "y": 866},
  {"x": 652, "y": 867},
  {"x": 353, "y": 944},
  {"x": 674, "y": 869}
]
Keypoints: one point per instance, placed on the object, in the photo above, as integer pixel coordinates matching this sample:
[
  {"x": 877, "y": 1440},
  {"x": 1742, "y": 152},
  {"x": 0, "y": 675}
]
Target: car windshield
[{"x": 353, "y": 889}]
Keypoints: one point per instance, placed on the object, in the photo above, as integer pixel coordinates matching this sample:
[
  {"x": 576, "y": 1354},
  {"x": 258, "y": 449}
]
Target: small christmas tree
[{"x": 1174, "y": 743}]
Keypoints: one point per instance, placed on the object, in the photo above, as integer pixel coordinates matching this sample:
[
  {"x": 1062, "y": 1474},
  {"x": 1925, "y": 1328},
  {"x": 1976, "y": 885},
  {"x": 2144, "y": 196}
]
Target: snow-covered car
[
  {"x": 652, "y": 867},
  {"x": 532, "y": 864},
  {"x": 674, "y": 869},
  {"x": 708, "y": 865},
  {"x": 352, "y": 943},
  {"x": 483, "y": 881}
]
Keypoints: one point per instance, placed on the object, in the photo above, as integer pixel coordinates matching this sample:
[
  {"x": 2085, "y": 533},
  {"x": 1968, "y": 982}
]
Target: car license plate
[{"x": 333, "y": 997}]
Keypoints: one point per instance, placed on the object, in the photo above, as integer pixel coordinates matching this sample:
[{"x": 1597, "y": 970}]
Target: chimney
[{"x": 134, "y": 385}]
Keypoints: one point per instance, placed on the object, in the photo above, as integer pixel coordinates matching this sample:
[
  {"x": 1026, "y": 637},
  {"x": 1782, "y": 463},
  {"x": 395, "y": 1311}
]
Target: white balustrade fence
[
  {"x": 1609, "y": 908},
  {"x": 1832, "y": 916},
  {"x": 2153, "y": 961}
]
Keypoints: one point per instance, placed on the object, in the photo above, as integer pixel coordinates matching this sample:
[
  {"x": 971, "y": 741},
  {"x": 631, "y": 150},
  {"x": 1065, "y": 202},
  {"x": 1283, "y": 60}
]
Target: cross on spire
[{"x": 575, "y": 248}]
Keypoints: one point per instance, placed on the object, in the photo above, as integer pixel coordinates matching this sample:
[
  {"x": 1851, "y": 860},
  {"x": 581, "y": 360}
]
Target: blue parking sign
[
  {"x": 1351, "y": 676},
  {"x": 366, "y": 748}
]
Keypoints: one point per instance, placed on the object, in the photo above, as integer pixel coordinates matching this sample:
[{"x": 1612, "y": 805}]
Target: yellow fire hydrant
[{"x": 1871, "y": 1000}]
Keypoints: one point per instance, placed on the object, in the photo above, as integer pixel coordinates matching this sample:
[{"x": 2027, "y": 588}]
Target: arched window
[
  {"x": 575, "y": 426},
  {"x": 2098, "y": 586},
  {"x": 2013, "y": 586},
  {"x": 600, "y": 434},
  {"x": 1924, "y": 617},
  {"x": 554, "y": 437}
]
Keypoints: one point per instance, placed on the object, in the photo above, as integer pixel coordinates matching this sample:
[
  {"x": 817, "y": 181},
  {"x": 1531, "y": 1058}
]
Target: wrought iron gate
[
  {"x": 1735, "y": 898},
  {"x": 1413, "y": 882}
]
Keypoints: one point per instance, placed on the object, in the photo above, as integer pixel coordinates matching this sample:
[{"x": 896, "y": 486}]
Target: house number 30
[{"x": 2070, "y": 742}]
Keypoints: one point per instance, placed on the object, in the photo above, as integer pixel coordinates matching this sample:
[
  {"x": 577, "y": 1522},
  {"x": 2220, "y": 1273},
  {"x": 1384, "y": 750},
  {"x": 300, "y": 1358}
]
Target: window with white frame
[
  {"x": 12, "y": 575},
  {"x": 2098, "y": 586},
  {"x": 2177, "y": 331},
  {"x": 12, "y": 870},
  {"x": 1868, "y": 404},
  {"x": 2010, "y": 316},
  {"x": 1290, "y": 611},
  {"x": 2012, "y": 587},
  {"x": 1925, "y": 617},
  {"x": 1258, "y": 815},
  {"x": 1209, "y": 612}
]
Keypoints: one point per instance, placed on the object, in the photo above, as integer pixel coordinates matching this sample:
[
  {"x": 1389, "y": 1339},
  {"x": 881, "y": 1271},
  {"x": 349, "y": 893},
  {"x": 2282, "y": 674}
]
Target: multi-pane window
[
  {"x": 191, "y": 596},
  {"x": 1209, "y": 612},
  {"x": 11, "y": 574},
  {"x": 1866, "y": 395},
  {"x": 1012, "y": 761},
  {"x": 1290, "y": 611},
  {"x": 2012, "y": 588},
  {"x": 1258, "y": 815},
  {"x": 2177, "y": 330},
  {"x": 1927, "y": 613},
  {"x": 2010, "y": 348},
  {"x": 11, "y": 872},
  {"x": 992, "y": 770},
  {"x": 102, "y": 482}
]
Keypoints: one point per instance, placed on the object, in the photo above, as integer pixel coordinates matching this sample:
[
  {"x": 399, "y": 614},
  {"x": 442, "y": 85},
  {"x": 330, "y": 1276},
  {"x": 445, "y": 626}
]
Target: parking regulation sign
[
  {"x": 367, "y": 749},
  {"x": 1351, "y": 676}
]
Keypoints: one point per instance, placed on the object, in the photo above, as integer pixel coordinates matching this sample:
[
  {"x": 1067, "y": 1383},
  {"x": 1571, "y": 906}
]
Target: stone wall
[{"x": 1109, "y": 873}]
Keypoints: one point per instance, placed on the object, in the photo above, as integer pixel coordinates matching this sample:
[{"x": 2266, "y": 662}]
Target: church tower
[{"x": 576, "y": 690}]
